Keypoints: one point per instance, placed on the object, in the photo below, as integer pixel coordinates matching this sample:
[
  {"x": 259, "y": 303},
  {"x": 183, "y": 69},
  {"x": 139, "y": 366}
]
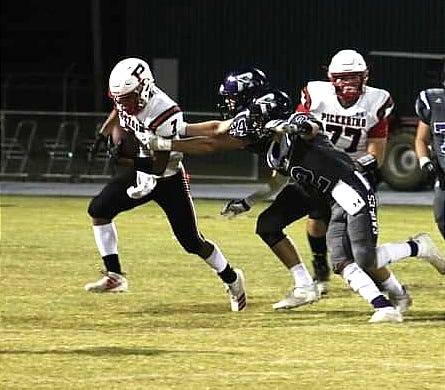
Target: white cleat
[
  {"x": 237, "y": 292},
  {"x": 401, "y": 302},
  {"x": 429, "y": 252},
  {"x": 111, "y": 282},
  {"x": 386, "y": 314},
  {"x": 298, "y": 296}
]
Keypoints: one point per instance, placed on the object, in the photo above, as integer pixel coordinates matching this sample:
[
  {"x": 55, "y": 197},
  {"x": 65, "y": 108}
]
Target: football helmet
[
  {"x": 348, "y": 73},
  {"x": 130, "y": 84},
  {"x": 239, "y": 88}
]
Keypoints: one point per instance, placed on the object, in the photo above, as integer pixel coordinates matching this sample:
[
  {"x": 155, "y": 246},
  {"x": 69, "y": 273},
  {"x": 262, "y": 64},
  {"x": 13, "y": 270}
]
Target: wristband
[
  {"x": 163, "y": 144},
  {"x": 423, "y": 161}
]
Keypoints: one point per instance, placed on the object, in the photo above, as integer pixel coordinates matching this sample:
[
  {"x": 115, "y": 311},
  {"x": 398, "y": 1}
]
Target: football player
[
  {"x": 251, "y": 101},
  {"x": 291, "y": 204},
  {"x": 140, "y": 106},
  {"x": 430, "y": 108},
  {"x": 354, "y": 116}
]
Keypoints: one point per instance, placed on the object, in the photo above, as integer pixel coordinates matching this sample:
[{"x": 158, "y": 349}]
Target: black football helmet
[{"x": 239, "y": 88}]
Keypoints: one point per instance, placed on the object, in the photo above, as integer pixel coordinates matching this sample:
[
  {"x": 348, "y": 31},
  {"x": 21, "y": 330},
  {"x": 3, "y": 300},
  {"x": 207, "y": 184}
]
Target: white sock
[
  {"x": 391, "y": 253},
  {"x": 106, "y": 238},
  {"x": 392, "y": 285},
  {"x": 216, "y": 260},
  {"x": 360, "y": 282},
  {"x": 301, "y": 275}
]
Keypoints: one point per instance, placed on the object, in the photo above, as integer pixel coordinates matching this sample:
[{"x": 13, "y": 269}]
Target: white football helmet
[
  {"x": 130, "y": 83},
  {"x": 348, "y": 73}
]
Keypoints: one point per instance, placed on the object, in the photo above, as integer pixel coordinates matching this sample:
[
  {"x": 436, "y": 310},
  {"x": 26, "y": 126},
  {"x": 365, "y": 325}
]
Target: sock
[
  {"x": 106, "y": 241},
  {"x": 393, "y": 252},
  {"x": 414, "y": 248},
  {"x": 301, "y": 275},
  {"x": 106, "y": 238},
  {"x": 112, "y": 264},
  {"x": 362, "y": 284},
  {"x": 228, "y": 275},
  {"x": 319, "y": 253},
  {"x": 392, "y": 285},
  {"x": 217, "y": 260},
  {"x": 318, "y": 245}
]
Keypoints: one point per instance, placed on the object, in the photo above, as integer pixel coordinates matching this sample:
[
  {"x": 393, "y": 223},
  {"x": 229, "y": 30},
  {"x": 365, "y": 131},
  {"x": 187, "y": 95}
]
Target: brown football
[{"x": 126, "y": 141}]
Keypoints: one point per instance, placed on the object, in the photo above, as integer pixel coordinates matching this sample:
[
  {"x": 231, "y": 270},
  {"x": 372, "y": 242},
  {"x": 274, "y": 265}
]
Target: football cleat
[
  {"x": 111, "y": 282},
  {"x": 298, "y": 296},
  {"x": 401, "y": 302},
  {"x": 386, "y": 314},
  {"x": 237, "y": 292},
  {"x": 429, "y": 252}
]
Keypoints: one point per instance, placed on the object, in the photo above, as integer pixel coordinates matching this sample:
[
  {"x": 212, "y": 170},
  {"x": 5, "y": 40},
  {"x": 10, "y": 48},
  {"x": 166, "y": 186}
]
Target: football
[{"x": 126, "y": 142}]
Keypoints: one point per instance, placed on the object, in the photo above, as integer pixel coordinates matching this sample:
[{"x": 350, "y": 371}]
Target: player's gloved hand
[
  {"x": 145, "y": 183},
  {"x": 366, "y": 163},
  {"x": 235, "y": 207},
  {"x": 427, "y": 167},
  {"x": 280, "y": 127},
  {"x": 94, "y": 147},
  {"x": 367, "y": 166}
]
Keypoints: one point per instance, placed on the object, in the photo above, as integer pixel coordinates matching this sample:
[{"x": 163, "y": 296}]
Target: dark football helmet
[{"x": 239, "y": 88}]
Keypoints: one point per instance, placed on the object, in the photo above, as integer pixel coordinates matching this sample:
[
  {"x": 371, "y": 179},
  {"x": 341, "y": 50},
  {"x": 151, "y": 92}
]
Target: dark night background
[{"x": 50, "y": 58}]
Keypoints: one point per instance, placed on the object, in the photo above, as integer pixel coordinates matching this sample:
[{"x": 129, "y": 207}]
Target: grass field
[{"x": 174, "y": 330}]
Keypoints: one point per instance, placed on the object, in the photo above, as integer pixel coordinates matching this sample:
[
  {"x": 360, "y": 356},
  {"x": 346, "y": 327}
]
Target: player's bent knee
[
  {"x": 95, "y": 209},
  {"x": 271, "y": 238}
]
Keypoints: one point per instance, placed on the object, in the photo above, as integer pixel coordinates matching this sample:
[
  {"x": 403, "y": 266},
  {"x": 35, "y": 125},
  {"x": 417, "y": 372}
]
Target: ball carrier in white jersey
[{"x": 142, "y": 107}]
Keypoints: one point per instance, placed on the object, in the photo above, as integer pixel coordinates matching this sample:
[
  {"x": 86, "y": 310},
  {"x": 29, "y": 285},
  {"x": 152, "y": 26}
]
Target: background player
[{"x": 430, "y": 108}]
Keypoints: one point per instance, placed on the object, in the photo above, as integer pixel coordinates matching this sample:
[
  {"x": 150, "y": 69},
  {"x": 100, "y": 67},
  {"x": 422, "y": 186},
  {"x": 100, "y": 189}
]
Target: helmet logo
[{"x": 138, "y": 71}]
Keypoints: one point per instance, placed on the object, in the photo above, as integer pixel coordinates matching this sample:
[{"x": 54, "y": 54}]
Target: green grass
[{"x": 174, "y": 330}]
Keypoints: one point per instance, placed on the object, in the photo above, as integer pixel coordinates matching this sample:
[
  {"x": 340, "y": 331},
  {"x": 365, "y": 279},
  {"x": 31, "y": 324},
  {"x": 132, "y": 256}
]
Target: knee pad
[
  {"x": 95, "y": 209},
  {"x": 268, "y": 233}
]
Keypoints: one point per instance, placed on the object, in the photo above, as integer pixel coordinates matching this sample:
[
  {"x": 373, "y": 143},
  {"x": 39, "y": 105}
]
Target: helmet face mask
[
  {"x": 348, "y": 74},
  {"x": 130, "y": 84},
  {"x": 348, "y": 85},
  {"x": 238, "y": 90}
]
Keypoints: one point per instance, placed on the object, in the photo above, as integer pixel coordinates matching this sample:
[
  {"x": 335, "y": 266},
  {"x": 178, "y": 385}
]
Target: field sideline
[{"x": 174, "y": 330}]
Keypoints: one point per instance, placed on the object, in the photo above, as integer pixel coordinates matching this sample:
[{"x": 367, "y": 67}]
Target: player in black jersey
[
  {"x": 430, "y": 108},
  {"x": 251, "y": 100},
  {"x": 305, "y": 155}
]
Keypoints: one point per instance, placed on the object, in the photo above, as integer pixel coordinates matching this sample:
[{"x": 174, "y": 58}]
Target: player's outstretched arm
[{"x": 238, "y": 206}]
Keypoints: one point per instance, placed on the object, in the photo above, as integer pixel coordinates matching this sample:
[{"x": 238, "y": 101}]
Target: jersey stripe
[{"x": 163, "y": 117}]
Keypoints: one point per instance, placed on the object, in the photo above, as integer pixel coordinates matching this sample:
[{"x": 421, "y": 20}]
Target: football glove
[
  {"x": 235, "y": 207},
  {"x": 367, "y": 166},
  {"x": 94, "y": 147},
  {"x": 427, "y": 167}
]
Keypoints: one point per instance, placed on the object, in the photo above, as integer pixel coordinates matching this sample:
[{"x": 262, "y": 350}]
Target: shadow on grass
[{"x": 107, "y": 351}]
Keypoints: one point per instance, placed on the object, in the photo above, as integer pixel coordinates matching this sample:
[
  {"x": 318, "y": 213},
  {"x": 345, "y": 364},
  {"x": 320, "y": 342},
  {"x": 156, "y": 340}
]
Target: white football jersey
[
  {"x": 347, "y": 128},
  {"x": 161, "y": 116}
]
